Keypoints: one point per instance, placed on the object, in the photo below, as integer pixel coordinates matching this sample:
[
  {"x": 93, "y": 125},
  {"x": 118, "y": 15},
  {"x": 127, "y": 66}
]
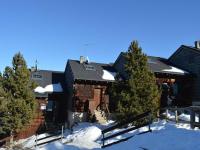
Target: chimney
[
  {"x": 82, "y": 59},
  {"x": 197, "y": 44}
]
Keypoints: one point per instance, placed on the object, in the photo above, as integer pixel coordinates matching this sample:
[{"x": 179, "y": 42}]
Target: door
[{"x": 96, "y": 103}]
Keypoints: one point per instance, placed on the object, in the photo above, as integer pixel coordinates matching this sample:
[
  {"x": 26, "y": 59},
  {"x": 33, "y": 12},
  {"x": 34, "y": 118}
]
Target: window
[
  {"x": 49, "y": 106},
  {"x": 151, "y": 61},
  {"x": 42, "y": 107},
  {"x": 89, "y": 67},
  {"x": 37, "y": 76}
]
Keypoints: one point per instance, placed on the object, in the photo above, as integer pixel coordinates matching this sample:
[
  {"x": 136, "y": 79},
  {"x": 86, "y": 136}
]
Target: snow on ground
[
  {"x": 186, "y": 117},
  {"x": 82, "y": 134},
  {"x": 182, "y": 116},
  {"x": 165, "y": 136},
  {"x": 30, "y": 142},
  {"x": 85, "y": 136}
]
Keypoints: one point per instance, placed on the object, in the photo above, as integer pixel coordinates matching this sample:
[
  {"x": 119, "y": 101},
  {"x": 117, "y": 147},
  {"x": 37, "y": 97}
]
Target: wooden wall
[
  {"x": 36, "y": 124},
  {"x": 85, "y": 98},
  {"x": 189, "y": 60},
  {"x": 59, "y": 113},
  {"x": 69, "y": 86}
]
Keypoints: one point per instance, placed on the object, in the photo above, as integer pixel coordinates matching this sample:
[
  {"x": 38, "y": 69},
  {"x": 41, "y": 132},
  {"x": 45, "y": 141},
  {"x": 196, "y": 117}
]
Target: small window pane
[
  {"x": 50, "y": 106},
  {"x": 37, "y": 76}
]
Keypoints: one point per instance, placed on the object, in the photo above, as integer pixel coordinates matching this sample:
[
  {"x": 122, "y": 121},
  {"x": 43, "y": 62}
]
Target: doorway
[{"x": 97, "y": 100}]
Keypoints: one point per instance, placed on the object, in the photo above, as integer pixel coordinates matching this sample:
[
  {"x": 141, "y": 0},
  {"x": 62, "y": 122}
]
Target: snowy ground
[{"x": 165, "y": 136}]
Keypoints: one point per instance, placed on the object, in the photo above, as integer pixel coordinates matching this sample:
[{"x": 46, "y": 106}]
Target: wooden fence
[
  {"x": 192, "y": 111},
  {"x": 29, "y": 130},
  {"x": 51, "y": 138},
  {"x": 119, "y": 125}
]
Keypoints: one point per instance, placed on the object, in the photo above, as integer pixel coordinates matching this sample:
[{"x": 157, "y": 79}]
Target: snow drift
[{"x": 164, "y": 136}]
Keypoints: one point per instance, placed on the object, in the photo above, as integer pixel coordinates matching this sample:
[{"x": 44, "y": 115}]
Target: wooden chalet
[
  {"x": 87, "y": 85},
  {"x": 84, "y": 84},
  {"x": 188, "y": 58},
  {"x": 50, "y": 95},
  {"x": 169, "y": 77}
]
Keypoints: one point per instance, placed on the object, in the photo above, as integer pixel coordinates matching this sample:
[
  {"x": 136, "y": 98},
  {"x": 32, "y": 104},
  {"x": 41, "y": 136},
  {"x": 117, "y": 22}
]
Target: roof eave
[{"x": 105, "y": 81}]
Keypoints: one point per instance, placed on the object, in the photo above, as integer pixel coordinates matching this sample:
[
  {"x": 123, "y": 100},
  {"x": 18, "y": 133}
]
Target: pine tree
[
  {"x": 139, "y": 93},
  {"x": 20, "y": 100},
  {"x": 3, "y": 110}
]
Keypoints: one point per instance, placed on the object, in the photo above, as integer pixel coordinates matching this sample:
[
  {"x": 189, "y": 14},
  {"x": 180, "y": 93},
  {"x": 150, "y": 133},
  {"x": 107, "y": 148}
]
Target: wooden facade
[
  {"x": 89, "y": 96},
  {"x": 188, "y": 58},
  {"x": 53, "y": 104},
  {"x": 184, "y": 89},
  {"x": 158, "y": 66},
  {"x": 37, "y": 124},
  {"x": 84, "y": 95},
  {"x": 86, "y": 90}
]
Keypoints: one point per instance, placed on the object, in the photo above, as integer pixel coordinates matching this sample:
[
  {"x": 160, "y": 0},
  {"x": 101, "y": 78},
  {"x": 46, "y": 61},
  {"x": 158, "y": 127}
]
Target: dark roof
[
  {"x": 157, "y": 64},
  {"x": 184, "y": 46},
  {"x": 194, "y": 48},
  {"x": 89, "y": 71},
  {"x": 47, "y": 77},
  {"x": 160, "y": 65}
]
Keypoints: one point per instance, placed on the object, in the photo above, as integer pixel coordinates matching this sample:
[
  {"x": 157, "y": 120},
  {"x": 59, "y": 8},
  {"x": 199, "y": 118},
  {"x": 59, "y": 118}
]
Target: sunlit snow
[
  {"x": 164, "y": 135},
  {"x": 53, "y": 88},
  {"x": 39, "y": 89},
  {"x": 174, "y": 69},
  {"x": 49, "y": 88},
  {"x": 107, "y": 75}
]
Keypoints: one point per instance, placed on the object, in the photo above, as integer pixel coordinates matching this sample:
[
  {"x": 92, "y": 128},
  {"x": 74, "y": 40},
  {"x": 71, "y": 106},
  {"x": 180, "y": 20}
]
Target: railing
[
  {"x": 27, "y": 131},
  {"x": 193, "y": 111},
  {"x": 125, "y": 123},
  {"x": 51, "y": 138},
  {"x": 107, "y": 109}
]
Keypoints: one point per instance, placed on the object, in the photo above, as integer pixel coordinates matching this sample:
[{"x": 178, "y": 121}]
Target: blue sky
[{"x": 53, "y": 31}]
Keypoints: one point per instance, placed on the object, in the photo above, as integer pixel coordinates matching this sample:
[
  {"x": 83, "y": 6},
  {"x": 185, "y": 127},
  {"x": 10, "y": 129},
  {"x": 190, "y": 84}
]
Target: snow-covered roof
[
  {"x": 107, "y": 75},
  {"x": 54, "y": 88},
  {"x": 90, "y": 71},
  {"x": 39, "y": 89},
  {"x": 175, "y": 70},
  {"x": 49, "y": 88}
]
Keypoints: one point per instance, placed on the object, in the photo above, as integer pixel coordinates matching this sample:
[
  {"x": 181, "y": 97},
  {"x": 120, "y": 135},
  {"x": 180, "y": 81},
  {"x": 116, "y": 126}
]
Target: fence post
[
  {"x": 199, "y": 117},
  {"x": 103, "y": 139},
  {"x": 158, "y": 115},
  {"x": 149, "y": 117},
  {"x": 11, "y": 139},
  {"x": 36, "y": 141},
  {"x": 167, "y": 113},
  {"x": 62, "y": 133},
  {"x": 192, "y": 118},
  {"x": 176, "y": 116}
]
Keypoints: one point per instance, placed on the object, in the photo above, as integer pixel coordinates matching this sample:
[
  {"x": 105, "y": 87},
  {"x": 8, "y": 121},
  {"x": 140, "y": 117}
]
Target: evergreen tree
[
  {"x": 139, "y": 92},
  {"x": 19, "y": 98},
  {"x": 3, "y": 110}
]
